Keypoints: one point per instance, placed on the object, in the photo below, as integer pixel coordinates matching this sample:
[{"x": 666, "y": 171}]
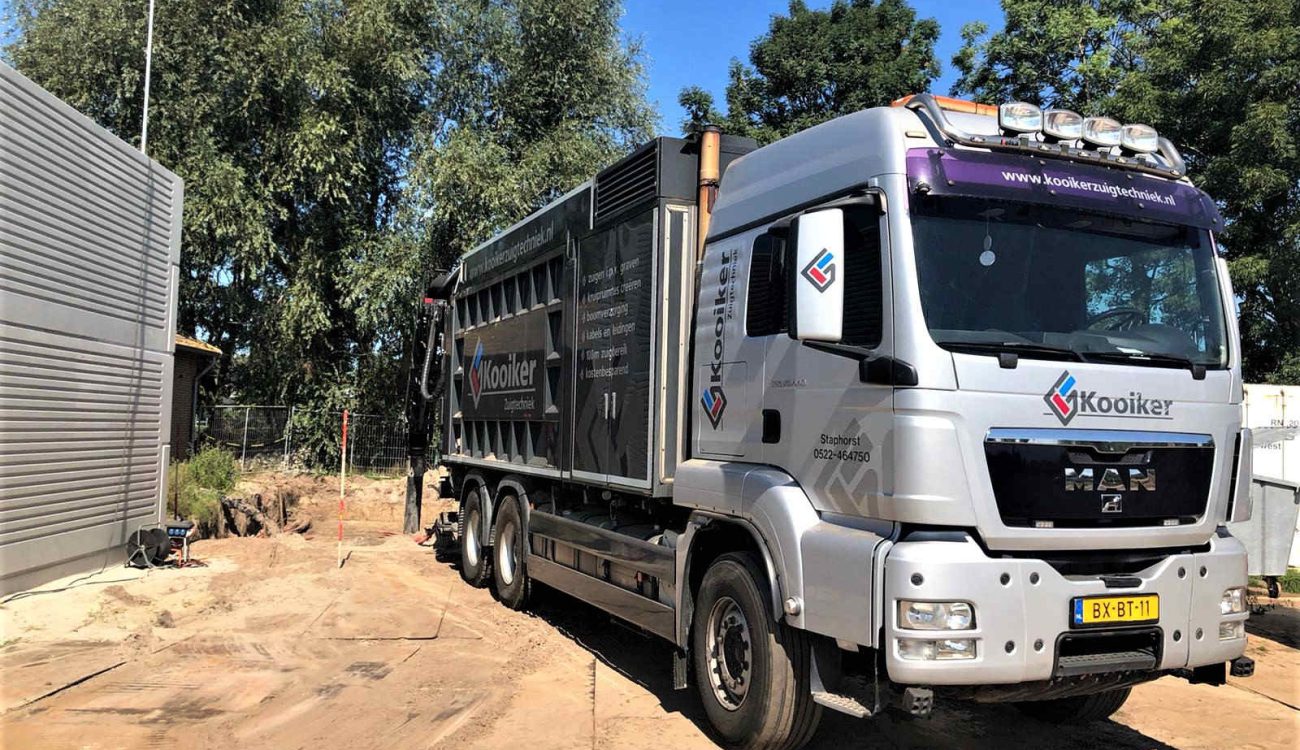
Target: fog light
[
  {"x": 1101, "y": 131},
  {"x": 935, "y": 615},
  {"x": 1233, "y": 601},
  {"x": 1020, "y": 117},
  {"x": 951, "y": 649},
  {"x": 1230, "y": 631}
]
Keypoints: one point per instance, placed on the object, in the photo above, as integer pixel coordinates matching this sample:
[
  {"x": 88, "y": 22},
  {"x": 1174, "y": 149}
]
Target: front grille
[{"x": 1098, "y": 479}]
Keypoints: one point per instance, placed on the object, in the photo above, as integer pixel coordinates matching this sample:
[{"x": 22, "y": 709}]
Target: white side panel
[
  {"x": 89, "y": 252},
  {"x": 1273, "y": 414}
]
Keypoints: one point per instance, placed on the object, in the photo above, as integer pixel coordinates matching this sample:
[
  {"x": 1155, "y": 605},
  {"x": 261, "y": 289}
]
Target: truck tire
[
  {"x": 751, "y": 670},
  {"x": 1077, "y": 709},
  {"x": 475, "y": 556},
  {"x": 510, "y": 555}
]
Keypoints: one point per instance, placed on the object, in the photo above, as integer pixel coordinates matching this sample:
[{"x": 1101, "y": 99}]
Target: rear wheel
[
  {"x": 1077, "y": 709},
  {"x": 475, "y": 564},
  {"x": 510, "y": 555},
  {"x": 751, "y": 671}
]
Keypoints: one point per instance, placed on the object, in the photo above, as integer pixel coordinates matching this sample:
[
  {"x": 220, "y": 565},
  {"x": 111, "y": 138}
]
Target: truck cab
[{"x": 960, "y": 411}]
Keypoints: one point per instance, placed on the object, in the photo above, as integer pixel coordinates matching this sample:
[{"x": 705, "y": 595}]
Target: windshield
[{"x": 1043, "y": 281}]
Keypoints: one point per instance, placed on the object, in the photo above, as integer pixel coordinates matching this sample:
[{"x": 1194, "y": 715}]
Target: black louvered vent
[{"x": 628, "y": 182}]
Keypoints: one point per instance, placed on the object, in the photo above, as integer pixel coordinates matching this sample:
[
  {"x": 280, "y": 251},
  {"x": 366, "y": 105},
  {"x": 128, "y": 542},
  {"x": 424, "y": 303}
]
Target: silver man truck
[{"x": 932, "y": 399}]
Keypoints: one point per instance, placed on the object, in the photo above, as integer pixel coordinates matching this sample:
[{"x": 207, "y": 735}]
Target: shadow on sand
[{"x": 646, "y": 660}]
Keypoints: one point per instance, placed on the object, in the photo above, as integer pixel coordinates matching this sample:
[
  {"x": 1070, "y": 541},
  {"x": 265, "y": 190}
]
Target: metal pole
[
  {"x": 343, "y": 471},
  {"x": 343, "y": 467},
  {"x": 288, "y": 433},
  {"x": 148, "y": 72},
  {"x": 243, "y": 445}
]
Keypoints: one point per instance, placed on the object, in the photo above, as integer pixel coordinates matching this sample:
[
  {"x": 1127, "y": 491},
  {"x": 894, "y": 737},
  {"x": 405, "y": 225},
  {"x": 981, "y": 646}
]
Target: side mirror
[{"x": 817, "y": 312}]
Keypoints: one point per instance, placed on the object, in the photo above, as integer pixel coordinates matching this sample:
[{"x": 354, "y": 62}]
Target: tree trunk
[{"x": 266, "y": 523}]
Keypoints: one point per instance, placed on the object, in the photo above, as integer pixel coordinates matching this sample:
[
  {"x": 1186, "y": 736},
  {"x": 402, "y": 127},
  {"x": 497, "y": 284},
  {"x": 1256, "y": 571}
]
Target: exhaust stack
[{"x": 710, "y": 143}]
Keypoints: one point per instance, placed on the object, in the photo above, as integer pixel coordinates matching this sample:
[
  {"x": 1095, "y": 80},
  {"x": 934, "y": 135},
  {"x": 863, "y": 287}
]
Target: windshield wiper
[
  {"x": 1009, "y": 351},
  {"x": 1150, "y": 359}
]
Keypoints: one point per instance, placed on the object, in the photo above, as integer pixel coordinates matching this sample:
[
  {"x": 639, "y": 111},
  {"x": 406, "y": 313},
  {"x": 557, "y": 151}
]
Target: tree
[
  {"x": 1070, "y": 55},
  {"x": 1221, "y": 79},
  {"x": 556, "y": 97},
  {"x": 334, "y": 152},
  {"x": 815, "y": 65}
]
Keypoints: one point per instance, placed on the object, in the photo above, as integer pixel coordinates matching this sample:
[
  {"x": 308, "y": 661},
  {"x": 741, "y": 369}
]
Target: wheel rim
[
  {"x": 730, "y": 651},
  {"x": 506, "y": 552},
  {"x": 471, "y": 537}
]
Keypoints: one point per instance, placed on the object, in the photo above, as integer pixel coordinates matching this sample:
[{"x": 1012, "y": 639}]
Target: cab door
[{"x": 824, "y": 423}]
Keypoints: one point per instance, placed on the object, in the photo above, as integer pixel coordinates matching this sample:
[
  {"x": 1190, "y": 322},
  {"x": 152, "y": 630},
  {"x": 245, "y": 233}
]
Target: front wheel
[
  {"x": 1077, "y": 709},
  {"x": 751, "y": 671}
]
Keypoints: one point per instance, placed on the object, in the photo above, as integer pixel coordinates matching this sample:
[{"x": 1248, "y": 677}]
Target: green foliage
[
  {"x": 554, "y": 97},
  {"x": 334, "y": 153},
  {"x": 1070, "y": 55},
  {"x": 815, "y": 65},
  {"x": 1220, "y": 78},
  {"x": 195, "y": 487}
]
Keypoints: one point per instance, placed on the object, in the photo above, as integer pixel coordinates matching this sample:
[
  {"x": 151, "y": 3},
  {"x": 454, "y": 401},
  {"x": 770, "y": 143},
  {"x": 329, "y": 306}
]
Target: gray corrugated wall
[{"x": 89, "y": 247}]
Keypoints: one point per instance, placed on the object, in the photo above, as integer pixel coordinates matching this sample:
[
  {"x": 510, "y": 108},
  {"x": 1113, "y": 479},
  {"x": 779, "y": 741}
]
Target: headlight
[
  {"x": 1101, "y": 131},
  {"x": 1020, "y": 117},
  {"x": 946, "y": 650},
  {"x": 1063, "y": 124},
  {"x": 935, "y": 616},
  {"x": 1233, "y": 602}
]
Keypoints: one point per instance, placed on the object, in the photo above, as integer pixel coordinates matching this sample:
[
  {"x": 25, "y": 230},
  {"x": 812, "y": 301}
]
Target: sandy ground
[{"x": 273, "y": 646}]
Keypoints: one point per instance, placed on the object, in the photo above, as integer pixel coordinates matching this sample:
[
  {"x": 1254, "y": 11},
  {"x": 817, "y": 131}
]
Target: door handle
[
  {"x": 613, "y": 409},
  {"x": 605, "y": 397},
  {"x": 771, "y": 426}
]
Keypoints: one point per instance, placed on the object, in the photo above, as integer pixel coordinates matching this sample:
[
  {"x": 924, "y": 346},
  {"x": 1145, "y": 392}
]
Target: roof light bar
[
  {"x": 1141, "y": 139},
  {"x": 1101, "y": 131},
  {"x": 1063, "y": 125},
  {"x": 1020, "y": 117}
]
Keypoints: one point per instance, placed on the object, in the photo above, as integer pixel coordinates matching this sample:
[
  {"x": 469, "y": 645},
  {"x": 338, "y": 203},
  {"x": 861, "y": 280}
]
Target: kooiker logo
[
  {"x": 501, "y": 375},
  {"x": 476, "y": 374},
  {"x": 821, "y": 270},
  {"x": 1068, "y": 401},
  {"x": 1058, "y": 398},
  {"x": 714, "y": 402}
]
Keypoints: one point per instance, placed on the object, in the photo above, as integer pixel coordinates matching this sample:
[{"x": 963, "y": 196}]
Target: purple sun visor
[{"x": 985, "y": 174}]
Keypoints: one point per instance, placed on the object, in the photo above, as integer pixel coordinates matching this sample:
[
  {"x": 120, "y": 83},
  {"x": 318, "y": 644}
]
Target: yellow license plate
[{"x": 1101, "y": 610}]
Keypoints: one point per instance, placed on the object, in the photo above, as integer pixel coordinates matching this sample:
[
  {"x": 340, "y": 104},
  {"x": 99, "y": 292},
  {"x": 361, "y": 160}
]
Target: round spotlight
[
  {"x": 1141, "y": 139},
  {"x": 1063, "y": 125},
  {"x": 1101, "y": 131},
  {"x": 1020, "y": 117}
]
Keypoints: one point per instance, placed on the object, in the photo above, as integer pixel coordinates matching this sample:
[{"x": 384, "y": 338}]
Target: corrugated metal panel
[{"x": 89, "y": 252}]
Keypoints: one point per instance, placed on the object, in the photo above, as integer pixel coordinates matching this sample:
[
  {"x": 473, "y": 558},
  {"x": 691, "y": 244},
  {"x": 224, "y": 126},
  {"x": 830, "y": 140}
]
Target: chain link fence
[{"x": 291, "y": 437}]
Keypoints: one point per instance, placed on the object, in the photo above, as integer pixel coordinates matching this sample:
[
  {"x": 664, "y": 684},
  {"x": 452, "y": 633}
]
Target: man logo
[
  {"x": 476, "y": 373},
  {"x": 1057, "y": 397},
  {"x": 821, "y": 270},
  {"x": 714, "y": 402},
  {"x": 1112, "y": 503}
]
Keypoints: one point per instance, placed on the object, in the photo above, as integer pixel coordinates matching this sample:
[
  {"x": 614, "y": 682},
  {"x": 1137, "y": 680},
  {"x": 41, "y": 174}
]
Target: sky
[{"x": 691, "y": 43}]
